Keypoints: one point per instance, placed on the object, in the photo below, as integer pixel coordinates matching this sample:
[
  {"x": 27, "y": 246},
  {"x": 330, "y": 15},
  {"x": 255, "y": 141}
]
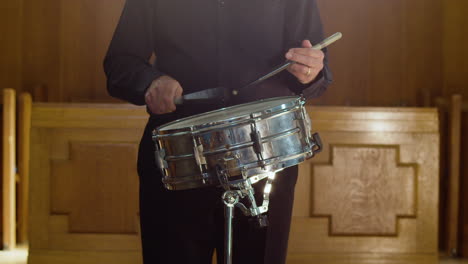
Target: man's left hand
[{"x": 309, "y": 62}]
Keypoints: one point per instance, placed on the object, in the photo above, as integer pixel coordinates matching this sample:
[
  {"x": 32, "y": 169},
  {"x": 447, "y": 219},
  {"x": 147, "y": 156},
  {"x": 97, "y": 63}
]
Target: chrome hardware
[
  {"x": 257, "y": 142},
  {"x": 232, "y": 165},
  {"x": 198, "y": 154},
  {"x": 159, "y": 155},
  {"x": 317, "y": 143}
]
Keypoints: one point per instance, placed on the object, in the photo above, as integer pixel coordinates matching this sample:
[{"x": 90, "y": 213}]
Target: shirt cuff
[
  {"x": 145, "y": 78},
  {"x": 313, "y": 89}
]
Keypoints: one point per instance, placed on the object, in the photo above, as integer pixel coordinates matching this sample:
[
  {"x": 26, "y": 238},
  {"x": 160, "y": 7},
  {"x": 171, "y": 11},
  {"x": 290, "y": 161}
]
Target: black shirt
[{"x": 211, "y": 43}]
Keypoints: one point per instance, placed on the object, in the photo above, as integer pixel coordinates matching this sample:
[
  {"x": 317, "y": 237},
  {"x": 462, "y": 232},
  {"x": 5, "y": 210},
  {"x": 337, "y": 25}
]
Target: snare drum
[{"x": 240, "y": 141}]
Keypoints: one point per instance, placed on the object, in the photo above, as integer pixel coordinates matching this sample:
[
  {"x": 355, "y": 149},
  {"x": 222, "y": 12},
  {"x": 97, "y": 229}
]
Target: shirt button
[{"x": 222, "y": 3}]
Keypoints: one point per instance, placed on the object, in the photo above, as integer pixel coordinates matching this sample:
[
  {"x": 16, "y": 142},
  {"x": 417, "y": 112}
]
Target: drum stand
[
  {"x": 236, "y": 190},
  {"x": 230, "y": 199}
]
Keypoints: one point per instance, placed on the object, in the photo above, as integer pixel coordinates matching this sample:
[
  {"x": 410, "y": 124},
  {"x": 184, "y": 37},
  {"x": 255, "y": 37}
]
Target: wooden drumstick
[{"x": 326, "y": 42}]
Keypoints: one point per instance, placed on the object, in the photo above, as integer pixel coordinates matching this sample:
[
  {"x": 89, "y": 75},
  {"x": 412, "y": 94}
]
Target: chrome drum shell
[{"x": 241, "y": 141}]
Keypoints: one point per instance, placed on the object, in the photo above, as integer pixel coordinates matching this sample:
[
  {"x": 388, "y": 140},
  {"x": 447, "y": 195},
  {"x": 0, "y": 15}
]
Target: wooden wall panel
[
  {"x": 65, "y": 45},
  {"x": 371, "y": 196},
  {"x": 403, "y": 47},
  {"x": 41, "y": 50},
  {"x": 389, "y": 53},
  {"x": 11, "y": 18},
  {"x": 455, "y": 41},
  {"x": 390, "y": 154},
  {"x": 84, "y": 183},
  {"x": 96, "y": 186},
  {"x": 86, "y": 30},
  {"x": 364, "y": 191},
  {"x": 394, "y": 45}
]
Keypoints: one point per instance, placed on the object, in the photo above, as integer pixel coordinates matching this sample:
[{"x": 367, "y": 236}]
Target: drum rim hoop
[{"x": 292, "y": 103}]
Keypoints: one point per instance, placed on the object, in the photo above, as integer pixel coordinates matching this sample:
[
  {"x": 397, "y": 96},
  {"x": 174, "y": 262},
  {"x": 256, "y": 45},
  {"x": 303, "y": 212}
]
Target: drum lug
[
  {"x": 257, "y": 144},
  {"x": 229, "y": 170},
  {"x": 307, "y": 123},
  {"x": 317, "y": 143},
  {"x": 205, "y": 177},
  {"x": 159, "y": 155},
  {"x": 232, "y": 164},
  {"x": 199, "y": 157},
  {"x": 201, "y": 161}
]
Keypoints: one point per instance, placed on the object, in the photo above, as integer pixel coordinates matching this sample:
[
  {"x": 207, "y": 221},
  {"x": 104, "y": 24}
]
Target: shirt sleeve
[
  {"x": 303, "y": 22},
  {"x": 126, "y": 64}
]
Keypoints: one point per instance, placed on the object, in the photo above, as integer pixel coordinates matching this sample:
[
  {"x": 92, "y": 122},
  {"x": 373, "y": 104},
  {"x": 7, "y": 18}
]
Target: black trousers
[{"x": 186, "y": 226}]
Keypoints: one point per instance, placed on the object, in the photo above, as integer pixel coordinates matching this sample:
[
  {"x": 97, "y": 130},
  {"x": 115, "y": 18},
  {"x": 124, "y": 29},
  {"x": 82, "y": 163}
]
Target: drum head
[{"x": 231, "y": 114}]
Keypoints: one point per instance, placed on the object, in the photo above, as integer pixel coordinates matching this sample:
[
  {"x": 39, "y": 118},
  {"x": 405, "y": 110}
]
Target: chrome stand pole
[{"x": 230, "y": 199}]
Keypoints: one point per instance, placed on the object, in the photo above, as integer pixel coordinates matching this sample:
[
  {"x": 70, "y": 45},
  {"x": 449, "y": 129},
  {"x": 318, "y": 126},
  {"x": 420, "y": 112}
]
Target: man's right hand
[{"x": 161, "y": 94}]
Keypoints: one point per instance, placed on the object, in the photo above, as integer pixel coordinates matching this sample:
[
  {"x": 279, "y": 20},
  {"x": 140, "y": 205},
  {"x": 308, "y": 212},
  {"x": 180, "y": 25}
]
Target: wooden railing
[
  {"x": 455, "y": 107},
  {"x": 84, "y": 183},
  {"x": 24, "y": 131},
  {"x": 371, "y": 195},
  {"x": 15, "y": 164},
  {"x": 9, "y": 165},
  {"x": 83, "y": 174}
]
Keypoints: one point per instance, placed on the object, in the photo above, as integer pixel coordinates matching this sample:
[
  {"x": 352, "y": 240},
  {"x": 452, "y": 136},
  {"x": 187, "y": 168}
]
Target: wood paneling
[
  {"x": 455, "y": 41},
  {"x": 40, "y": 60},
  {"x": 11, "y": 19},
  {"x": 66, "y": 44},
  {"x": 364, "y": 191},
  {"x": 95, "y": 185},
  {"x": 394, "y": 45},
  {"x": 389, "y": 53},
  {"x": 379, "y": 163},
  {"x": 86, "y": 30},
  {"x": 82, "y": 257},
  {"x": 371, "y": 196},
  {"x": 403, "y": 47},
  {"x": 84, "y": 183}
]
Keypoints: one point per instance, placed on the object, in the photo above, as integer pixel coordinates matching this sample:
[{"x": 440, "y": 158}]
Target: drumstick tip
[{"x": 326, "y": 42}]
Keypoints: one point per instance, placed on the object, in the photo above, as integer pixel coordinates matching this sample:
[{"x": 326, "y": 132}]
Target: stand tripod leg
[
  {"x": 230, "y": 198},
  {"x": 229, "y": 210}
]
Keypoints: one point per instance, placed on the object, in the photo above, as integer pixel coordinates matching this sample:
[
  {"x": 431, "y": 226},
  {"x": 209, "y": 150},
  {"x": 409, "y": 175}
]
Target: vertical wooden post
[
  {"x": 9, "y": 179},
  {"x": 454, "y": 175},
  {"x": 24, "y": 129}
]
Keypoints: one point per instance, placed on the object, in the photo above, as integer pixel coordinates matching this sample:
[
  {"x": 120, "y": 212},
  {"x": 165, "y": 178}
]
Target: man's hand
[
  {"x": 309, "y": 62},
  {"x": 161, "y": 94}
]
